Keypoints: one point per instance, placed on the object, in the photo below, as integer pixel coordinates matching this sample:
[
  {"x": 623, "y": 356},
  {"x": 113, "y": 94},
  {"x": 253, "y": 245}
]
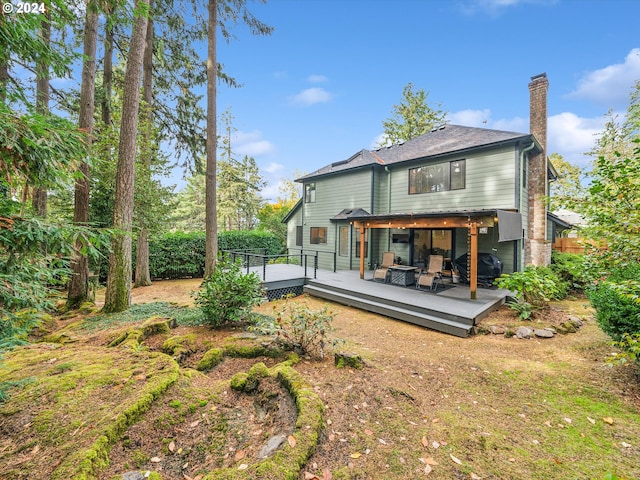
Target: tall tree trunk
[
  {"x": 4, "y": 80},
  {"x": 79, "y": 284},
  {"x": 4, "y": 67},
  {"x": 211, "y": 226},
  {"x": 118, "y": 295},
  {"x": 143, "y": 276},
  {"x": 39, "y": 199},
  {"x": 107, "y": 76}
]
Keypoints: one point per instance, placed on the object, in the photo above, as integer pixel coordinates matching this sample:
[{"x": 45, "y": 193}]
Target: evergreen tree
[
  {"x": 79, "y": 285},
  {"x": 412, "y": 117},
  {"x": 189, "y": 213},
  {"x": 239, "y": 184},
  {"x": 118, "y": 294},
  {"x": 210, "y": 218},
  {"x": 230, "y": 11}
]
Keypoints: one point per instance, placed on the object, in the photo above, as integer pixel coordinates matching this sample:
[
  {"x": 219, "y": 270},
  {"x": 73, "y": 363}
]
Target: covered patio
[{"x": 509, "y": 227}]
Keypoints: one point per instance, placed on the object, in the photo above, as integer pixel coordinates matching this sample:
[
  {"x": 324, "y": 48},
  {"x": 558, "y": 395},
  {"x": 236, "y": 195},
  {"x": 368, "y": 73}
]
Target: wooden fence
[{"x": 575, "y": 245}]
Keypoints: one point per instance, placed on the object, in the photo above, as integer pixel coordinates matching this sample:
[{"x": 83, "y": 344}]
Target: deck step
[
  {"x": 428, "y": 320},
  {"x": 400, "y": 303}
]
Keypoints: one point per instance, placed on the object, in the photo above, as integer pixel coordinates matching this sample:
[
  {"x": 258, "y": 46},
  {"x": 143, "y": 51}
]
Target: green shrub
[
  {"x": 573, "y": 268},
  {"x": 535, "y": 285},
  {"x": 630, "y": 346},
  {"x": 300, "y": 328},
  {"x": 616, "y": 300},
  {"x": 250, "y": 239},
  {"x": 177, "y": 255},
  {"x": 522, "y": 308},
  {"x": 228, "y": 294},
  {"x": 181, "y": 255}
]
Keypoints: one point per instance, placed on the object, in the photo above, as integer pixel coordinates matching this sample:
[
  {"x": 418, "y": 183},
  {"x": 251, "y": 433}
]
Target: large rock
[
  {"x": 543, "y": 333},
  {"x": 497, "y": 329},
  {"x": 576, "y": 321},
  {"x": 524, "y": 332},
  {"x": 273, "y": 444},
  {"x": 342, "y": 360}
]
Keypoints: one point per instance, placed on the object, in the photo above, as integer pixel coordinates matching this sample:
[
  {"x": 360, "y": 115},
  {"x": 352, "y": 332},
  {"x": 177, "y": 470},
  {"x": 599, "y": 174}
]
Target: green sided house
[{"x": 453, "y": 191}]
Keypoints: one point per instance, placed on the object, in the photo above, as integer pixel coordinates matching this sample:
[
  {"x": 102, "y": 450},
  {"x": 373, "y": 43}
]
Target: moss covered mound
[
  {"x": 287, "y": 462},
  {"x": 74, "y": 402}
]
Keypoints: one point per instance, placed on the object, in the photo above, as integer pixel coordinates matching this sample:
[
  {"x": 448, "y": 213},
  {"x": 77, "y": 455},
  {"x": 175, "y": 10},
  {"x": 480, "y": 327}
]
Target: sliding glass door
[{"x": 427, "y": 242}]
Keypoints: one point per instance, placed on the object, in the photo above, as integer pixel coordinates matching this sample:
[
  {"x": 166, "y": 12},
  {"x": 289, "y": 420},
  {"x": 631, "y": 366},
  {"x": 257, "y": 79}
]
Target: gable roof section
[
  {"x": 445, "y": 140},
  {"x": 292, "y": 212}
]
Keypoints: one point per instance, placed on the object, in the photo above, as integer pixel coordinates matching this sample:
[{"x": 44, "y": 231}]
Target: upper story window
[
  {"x": 310, "y": 192},
  {"x": 438, "y": 177}
]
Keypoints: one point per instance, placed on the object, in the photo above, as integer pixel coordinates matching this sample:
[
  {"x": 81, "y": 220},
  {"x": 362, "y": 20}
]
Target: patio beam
[
  {"x": 363, "y": 231},
  {"x": 442, "y": 222},
  {"x": 473, "y": 255}
]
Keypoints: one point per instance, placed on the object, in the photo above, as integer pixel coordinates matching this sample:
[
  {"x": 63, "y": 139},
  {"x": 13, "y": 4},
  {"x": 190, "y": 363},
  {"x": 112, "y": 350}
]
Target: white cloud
[
  {"x": 515, "y": 124},
  {"x": 271, "y": 191},
  {"x": 567, "y": 133},
  {"x": 380, "y": 139},
  {"x": 251, "y": 144},
  {"x": 311, "y": 96},
  {"x": 572, "y": 136},
  {"x": 610, "y": 85},
  {"x": 495, "y": 7},
  {"x": 317, "y": 79},
  {"x": 470, "y": 118},
  {"x": 482, "y": 119},
  {"x": 273, "y": 167}
]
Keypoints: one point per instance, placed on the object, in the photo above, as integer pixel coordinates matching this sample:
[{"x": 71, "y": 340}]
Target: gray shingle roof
[
  {"x": 440, "y": 141},
  {"x": 347, "y": 213}
]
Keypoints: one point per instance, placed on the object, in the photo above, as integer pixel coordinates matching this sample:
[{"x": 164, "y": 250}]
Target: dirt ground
[
  {"x": 419, "y": 372},
  {"x": 426, "y": 403}
]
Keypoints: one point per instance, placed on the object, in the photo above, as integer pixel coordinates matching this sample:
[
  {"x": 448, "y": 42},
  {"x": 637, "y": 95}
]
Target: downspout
[
  {"x": 371, "y": 196},
  {"x": 386, "y": 169}
]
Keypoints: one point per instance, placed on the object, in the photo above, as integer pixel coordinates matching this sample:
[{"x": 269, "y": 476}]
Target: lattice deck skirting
[{"x": 278, "y": 293}]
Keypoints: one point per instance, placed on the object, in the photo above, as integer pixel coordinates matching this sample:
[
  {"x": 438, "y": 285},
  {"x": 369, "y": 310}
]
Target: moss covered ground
[{"x": 425, "y": 404}]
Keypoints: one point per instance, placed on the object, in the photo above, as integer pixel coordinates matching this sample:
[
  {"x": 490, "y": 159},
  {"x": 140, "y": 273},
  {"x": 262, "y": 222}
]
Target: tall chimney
[{"x": 537, "y": 248}]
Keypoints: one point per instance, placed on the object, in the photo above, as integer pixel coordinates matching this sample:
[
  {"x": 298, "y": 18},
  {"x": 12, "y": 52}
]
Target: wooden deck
[{"x": 449, "y": 311}]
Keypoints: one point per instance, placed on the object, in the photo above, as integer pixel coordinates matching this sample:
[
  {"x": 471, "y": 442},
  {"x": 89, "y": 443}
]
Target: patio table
[{"x": 403, "y": 275}]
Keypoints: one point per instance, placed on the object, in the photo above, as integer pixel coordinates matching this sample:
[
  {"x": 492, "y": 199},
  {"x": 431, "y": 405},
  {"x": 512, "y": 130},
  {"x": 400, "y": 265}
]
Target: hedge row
[
  {"x": 615, "y": 301},
  {"x": 181, "y": 255}
]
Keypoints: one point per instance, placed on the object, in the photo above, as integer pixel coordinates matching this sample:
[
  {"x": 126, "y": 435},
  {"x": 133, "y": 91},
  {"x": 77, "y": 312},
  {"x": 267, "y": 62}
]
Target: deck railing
[
  {"x": 252, "y": 258},
  {"x": 317, "y": 253}
]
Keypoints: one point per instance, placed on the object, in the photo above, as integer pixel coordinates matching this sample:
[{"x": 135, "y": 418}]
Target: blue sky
[{"x": 318, "y": 88}]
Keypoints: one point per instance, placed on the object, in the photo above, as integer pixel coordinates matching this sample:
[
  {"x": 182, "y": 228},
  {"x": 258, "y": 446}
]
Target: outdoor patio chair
[
  {"x": 381, "y": 271},
  {"x": 433, "y": 276}
]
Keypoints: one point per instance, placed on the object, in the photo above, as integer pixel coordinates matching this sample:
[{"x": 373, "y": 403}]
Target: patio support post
[
  {"x": 473, "y": 267},
  {"x": 362, "y": 250}
]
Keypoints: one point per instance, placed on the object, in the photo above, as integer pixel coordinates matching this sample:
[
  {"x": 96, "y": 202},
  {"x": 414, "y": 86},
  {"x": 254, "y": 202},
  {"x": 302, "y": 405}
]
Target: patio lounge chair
[
  {"x": 380, "y": 273},
  {"x": 433, "y": 275}
]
